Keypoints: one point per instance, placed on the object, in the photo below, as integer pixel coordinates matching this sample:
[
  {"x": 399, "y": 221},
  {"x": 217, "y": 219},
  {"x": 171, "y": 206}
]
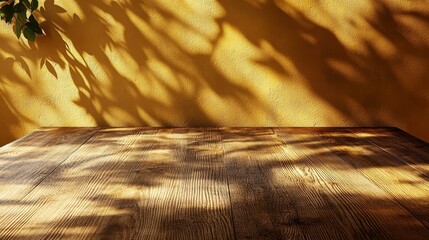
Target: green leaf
[
  {"x": 18, "y": 28},
  {"x": 23, "y": 16},
  {"x": 29, "y": 34},
  {"x": 33, "y": 20},
  {"x": 34, "y": 4},
  {"x": 7, "y": 12},
  {"x": 34, "y": 25},
  {"x": 19, "y": 7},
  {"x": 21, "y": 12},
  {"x": 26, "y": 3},
  {"x": 35, "y": 29}
]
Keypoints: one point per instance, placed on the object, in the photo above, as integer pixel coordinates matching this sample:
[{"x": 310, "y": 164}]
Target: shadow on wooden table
[{"x": 233, "y": 183}]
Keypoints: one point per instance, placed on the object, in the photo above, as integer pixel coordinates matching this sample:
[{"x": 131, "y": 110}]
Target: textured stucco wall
[{"x": 219, "y": 63}]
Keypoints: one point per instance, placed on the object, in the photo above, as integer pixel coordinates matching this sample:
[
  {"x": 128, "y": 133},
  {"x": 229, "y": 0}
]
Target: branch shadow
[
  {"x": 202, "y": 183},
  {"x": 145, "y": 64}
]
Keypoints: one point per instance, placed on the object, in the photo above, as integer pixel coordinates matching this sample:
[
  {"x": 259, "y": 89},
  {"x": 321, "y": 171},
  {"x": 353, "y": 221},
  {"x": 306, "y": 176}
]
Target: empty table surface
[{"x": 215, "y": 183}]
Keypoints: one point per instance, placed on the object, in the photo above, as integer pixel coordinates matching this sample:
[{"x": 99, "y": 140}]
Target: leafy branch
[{"x": 15, "y": 12}]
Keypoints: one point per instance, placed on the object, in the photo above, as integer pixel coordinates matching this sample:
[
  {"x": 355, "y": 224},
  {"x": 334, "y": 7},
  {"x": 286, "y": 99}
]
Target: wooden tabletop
[{"x": 215, "y": 183}]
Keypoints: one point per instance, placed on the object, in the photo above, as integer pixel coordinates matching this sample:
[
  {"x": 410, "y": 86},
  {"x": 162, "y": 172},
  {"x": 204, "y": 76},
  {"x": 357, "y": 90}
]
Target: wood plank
[
  {"x": 406, "y": 148},
  {"x": 192, "y": 200},
  {"x": 390, "y": 171},
  {"x": 410, "y": 141},
  {"x": 63, "y": 205},
  {"x": 133, "y": 184},
  {"x": 272, "y": 197},
  {"x": 27, "y": 161},
  {"x": 210, "y": 183},
  {"x": 366, "y": 209}
]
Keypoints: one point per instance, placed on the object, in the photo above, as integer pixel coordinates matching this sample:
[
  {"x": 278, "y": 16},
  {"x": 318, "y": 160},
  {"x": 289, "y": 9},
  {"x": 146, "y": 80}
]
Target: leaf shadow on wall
[
  {"x": 11, "y": 116},
  {"x": 92, "y": 40},
  {"x": 366, "y": 88}
]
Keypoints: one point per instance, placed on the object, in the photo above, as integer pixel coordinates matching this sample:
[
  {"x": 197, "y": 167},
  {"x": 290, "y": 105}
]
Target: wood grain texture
[
  {"x": 215, "y": 183},
  {"x": 132, "y": 184},
  {"x": 27, "y": 161},
  {"x": 404, "y": 147},
  {"x": 191, "y": 199},
  {"x": 391, "y": 167},
  {"x": 271, "y": 198},
  {"x": 367, "y": 211},
  {"x": 254, "y": 198},
  {"x": 71, "y": 200}
]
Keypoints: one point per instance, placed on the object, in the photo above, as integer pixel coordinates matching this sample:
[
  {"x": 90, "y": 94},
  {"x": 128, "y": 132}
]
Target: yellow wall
[{"x": 219, "y": 63}]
